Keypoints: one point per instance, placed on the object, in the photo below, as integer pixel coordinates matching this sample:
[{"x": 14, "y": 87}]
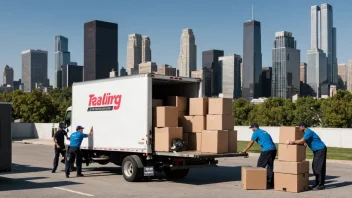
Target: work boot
[
  {"x": 318, "y": 188},
  {"x": 63, "y": 161},
  {"x": 53, "y": 171},
  {"x": 80, "y": 175}
]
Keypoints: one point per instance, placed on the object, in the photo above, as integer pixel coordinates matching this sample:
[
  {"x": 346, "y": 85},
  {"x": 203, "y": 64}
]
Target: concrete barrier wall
[
  {"x": 332, "y": 137},
  {"x": 33, "y": 130}
]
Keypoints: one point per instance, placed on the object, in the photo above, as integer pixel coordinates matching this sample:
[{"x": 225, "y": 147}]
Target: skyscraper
[
  {"x": 252, "y": 60},
  {"x": 286, "y": 66},
  {"x": 146, "y": 51},
  {"x": 210, "y": 60},
  {"x": 231, "y": 76},
  {"x": 134, "y": 52},
  {"x": 317, "y": 77},
  {"x": 100, "y": 49},
  {"x": 342, "y": 72},
  {"x": 34, "y": 69},
  {"x": 206, "y": 75},
  {"x": 303, "y": 72},
  {"x": 148, "y": 67},
  {"x": 267, "y": 73},
  {"x": 349, "y": 76},
  {"x": 167, "y": 70},
  {"x": 323, "y": 38},
  {"x": 187, "y": 59},
  {"x": 71, "y": 74},
  {"x": 7, "y": 77},
  {"x": 62, "y": 57}
]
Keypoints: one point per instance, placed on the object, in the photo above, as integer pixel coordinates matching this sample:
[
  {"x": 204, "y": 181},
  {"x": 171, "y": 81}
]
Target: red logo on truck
[{"x": 106, "y": 102}]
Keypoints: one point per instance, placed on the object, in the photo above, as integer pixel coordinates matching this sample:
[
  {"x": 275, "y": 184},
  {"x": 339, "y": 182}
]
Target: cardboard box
[
  {"x": 198, "y": 106},
  {"x": 220, "y": 122},
  {"x": 186, "y": 137},
  {"x": 290, "y": 182},
  {"x": 254, "y": 178},
  {"x": 232, "y": 141},
  {"x": 292, "y": 153},
  {"x": 157, "y": 102},
  {"x": 165, "y": 136},
  {"x": 289, "y": 133},
  {"x": 215, "y": 141},
  {"x": 291, "y": 167},
  {"x": 166, "y": 117},
  {"x": 194, "y": 124},
  {"x": 218, "y": 106},
  {"x": 195, "y": 141},
  {"x": 179, "y": 102}
]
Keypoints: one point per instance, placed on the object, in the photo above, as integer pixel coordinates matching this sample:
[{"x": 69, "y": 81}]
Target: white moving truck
[{"x": 120, "y": 112}]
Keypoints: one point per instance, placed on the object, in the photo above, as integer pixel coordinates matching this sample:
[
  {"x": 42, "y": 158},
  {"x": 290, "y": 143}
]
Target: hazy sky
[{"x": 216, "y": 25}]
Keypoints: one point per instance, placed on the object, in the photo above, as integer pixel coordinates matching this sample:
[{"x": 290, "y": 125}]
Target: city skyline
[{"x": 166, "y": 39}]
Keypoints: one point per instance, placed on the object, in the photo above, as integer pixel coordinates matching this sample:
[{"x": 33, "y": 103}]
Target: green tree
[
  {"x": 241, "y": 109},
  {"x": 307, "y": 109}
]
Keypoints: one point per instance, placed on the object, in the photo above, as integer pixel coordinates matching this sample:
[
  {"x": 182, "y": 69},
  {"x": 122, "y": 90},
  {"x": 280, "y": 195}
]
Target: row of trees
[{"x": 333, "y": 112}]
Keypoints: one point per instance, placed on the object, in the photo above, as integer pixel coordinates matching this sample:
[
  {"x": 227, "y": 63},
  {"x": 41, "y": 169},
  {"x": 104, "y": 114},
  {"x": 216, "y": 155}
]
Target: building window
[{"x": 288, "y": 57}]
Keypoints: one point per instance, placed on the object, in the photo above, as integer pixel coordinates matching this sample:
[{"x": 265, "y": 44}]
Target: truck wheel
[
  {"x": 176, "y": 174},
  {"x": 130, "y": 170}
]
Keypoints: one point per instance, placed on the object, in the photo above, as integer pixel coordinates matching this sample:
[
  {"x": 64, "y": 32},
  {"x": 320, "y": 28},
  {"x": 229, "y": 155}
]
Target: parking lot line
[{"x": 80, "y": 193}]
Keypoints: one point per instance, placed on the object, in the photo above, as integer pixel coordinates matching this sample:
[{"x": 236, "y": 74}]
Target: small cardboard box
[
  {"x": 254, "y": 178},
  {"x": 219, "y": 106},
  {"x": 164, "y": 137},
  {"x": 198, "y": 106},
  {"x": 220, "y": 122},
  {"x": 166, "y": 117},
  {"x": 289, "y": 133},
  {"x": 291, "y": 182},
  {"x": 232, "y": 141},
  {"x": 194, "y": 124},
  {"x": 195, "y": 141},
  {"x": 186, "y": 137},
  {"x": 215, "y": 141},
  {"x": 292, "y": 153},
  {"x": 291, "y": 167},
  {"x": 179, "y": 102}
]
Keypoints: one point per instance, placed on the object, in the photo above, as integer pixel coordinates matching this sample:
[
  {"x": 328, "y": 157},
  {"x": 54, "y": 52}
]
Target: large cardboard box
[
  {"x": 164, "y": 137},
  {"x": 220, "y": 122},
  {"x": 195, "y": 141},
  {"x": 289, "y": 133},
  {"x": 291, "y": 182},
  {"x": 194, "y": 124},
  {"x": 155, "y": 103},
  {"x": 232, "y": 141},
  {"x": 215, "y": 141},
  {"x": 198, "y": 106},
  {"x": 218, "y": 106},
  {"x": 291, "y": 167},
  {"x": 254, "y": 178},
  {"x": 166, "y": 117},
  {"x": 179, "y": 102},
  {"x": 292, "y": 153}
]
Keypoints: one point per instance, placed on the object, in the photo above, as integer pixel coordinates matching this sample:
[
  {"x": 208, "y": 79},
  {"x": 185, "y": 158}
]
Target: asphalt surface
[{"x": 32, "y": 177}]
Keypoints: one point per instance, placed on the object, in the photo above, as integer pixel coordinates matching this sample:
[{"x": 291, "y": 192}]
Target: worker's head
[
  {"x": 302, "y": 126},
  {"x": 62, "y": 126},
  {"x": 254, "y": 126},
  {"x": 79, "y": 129}
]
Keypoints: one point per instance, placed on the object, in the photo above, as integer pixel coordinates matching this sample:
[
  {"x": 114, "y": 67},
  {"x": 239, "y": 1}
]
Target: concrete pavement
[{"x": 32, "y": 177}]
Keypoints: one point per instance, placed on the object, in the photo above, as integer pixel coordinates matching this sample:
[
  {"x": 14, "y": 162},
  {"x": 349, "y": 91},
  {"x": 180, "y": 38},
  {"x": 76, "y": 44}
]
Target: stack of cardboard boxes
[{"x": 291, "y": 171}]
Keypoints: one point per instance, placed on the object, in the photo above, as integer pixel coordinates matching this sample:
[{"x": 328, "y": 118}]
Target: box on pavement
[
  {"x": 165, "y": 136},
  {"x": 195, "y": 141},
  {"x": 291, "y": 182},
  {"x": 218, "y": 106},
  {"x": 166, "y": 116},
  {"x": 289, "y": 133},
  {"x": 254, "y": 178},
  {"x": 292, "y": 153},
  {"x": 198, "y": 106},
  {"x": 177, "y": 101},
  {"x": 192, "y": 123},
  {"x": 291, "y": 167},
  {"x": 215, "y": 141},
  {"x": 232, "y": 141},
  {"x": 219, "y": 122}
]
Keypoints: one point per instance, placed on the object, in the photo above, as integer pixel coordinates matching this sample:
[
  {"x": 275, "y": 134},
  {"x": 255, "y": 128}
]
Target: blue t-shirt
[
  {"x": 313, "y": 140},
  {"x": 76, "y": 138},
  {"x": 263, "y": 138}
]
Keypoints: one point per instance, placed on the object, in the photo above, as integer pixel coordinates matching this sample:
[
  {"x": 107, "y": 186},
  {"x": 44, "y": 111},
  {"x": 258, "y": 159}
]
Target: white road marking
[{"x": 80, "y": 193}]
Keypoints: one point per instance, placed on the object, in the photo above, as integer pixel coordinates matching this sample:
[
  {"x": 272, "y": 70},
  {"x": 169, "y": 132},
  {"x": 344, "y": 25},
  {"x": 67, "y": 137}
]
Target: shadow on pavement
[
  {"x": 101, "y": 171},
  {"x": 338, "y": 185},
  {"x": 19, "y": 168},
  {"x": 9, "y": 184}
]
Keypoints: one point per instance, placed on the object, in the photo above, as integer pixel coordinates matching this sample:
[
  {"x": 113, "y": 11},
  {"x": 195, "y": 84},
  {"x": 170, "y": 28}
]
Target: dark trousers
[
  {"x": 74, "y": 152},
  {"x": 319, "y": 166},
  {"x": 266, "y": 160},
  {"x": 58, "y": 151}
]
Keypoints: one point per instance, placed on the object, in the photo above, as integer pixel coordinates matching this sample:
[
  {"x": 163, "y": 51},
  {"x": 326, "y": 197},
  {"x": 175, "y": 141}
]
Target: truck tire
[
  {"x": 130, "y": 170},
  {"x": 176, "y": 174}
]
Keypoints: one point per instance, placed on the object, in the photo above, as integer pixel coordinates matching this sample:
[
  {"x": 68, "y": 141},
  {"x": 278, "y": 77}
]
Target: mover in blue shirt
[
  {"x": 319, "y": 150},
  {"x": 268, "y": 154},
  {"x": 74, "y": 151}
]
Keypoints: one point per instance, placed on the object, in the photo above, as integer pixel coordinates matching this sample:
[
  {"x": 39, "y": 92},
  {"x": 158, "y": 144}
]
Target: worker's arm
[
  {"x": 301, "y": 141},
  {"x": 249, "y": 145},
  {"x": 57, "y": 145}
]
